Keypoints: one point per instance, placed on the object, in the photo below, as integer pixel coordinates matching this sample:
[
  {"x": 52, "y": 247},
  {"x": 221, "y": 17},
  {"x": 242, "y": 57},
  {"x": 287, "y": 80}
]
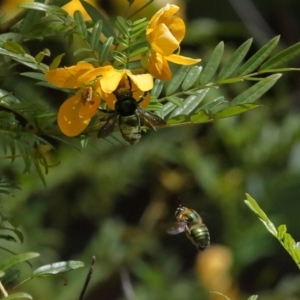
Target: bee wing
[
  {"x": 149, "y": 118},
  {"x": 176, "y": 228},
  {"x": 108, "y": 126}
]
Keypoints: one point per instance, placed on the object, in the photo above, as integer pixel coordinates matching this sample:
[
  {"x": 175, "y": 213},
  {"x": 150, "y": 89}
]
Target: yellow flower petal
[
  {"x": 110, "y": 80},
  {"x": 110, "y": 100},
  {"x": 163, "y": 15},
  {"x": 157, "y": 65},
  {"x": 165, "y": 31},
  {"x": 181, "y": 60},
  {"x": 162, "y": 40},
  {"x": 137, "y": 96},
  {"x": 89, "y": 109},
  {"x": 69, "y": 121},
  {"x": 94, "y": 73},
  {"x": 144, "y": 82},
  {"x": 68, "y": 77},
  {"x": 177, "y": 27}
]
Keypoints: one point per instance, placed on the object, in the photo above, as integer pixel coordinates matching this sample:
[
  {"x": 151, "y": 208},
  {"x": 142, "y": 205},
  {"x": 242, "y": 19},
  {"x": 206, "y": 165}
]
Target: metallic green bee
[
  {"x": 131, "y": 116},
  {"x": 190, "y": 222}
]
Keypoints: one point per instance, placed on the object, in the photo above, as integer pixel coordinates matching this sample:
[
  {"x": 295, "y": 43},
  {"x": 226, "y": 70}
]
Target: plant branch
[{"x": 2, "y": 289}]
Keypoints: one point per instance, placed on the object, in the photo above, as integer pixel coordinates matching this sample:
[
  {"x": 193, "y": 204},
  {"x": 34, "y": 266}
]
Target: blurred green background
[{"x": 115, "y": 201}]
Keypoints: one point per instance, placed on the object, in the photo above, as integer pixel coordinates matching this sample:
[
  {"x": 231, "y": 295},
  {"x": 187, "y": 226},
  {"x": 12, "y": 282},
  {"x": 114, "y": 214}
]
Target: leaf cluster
[
  {"x": 280, "y": 232},
  {"x": 24, "y": 125},
  {"x": 8, "y": 275},
  {"x": 185, "y": 93}
]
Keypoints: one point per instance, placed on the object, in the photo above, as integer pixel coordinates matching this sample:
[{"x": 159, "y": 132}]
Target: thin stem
[
  {"x": 88, "y": 278},
  {"x": 22, "y": 282},
  {"x": 2, "y": 289},
  {"x": 141, "y": 8}
]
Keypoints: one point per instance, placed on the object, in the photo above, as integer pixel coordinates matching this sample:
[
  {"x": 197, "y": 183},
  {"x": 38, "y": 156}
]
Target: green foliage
[
  {"x": 280, "y": 233},
  {"x": 18, "y": 296},
  {"x": 219, "y": 87},
  {"x": 182, "y": 102},
  {"x": 8, "y": 274},
  {"x": 57, "y": 268}
]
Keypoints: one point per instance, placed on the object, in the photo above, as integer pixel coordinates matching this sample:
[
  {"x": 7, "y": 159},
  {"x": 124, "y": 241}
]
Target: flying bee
[
  {"x": 130, "y": 116},
  {"x": 191, "y": 222}
]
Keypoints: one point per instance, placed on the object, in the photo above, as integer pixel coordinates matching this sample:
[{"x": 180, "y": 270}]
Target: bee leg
[
  {"x": 104, "y": 110},
  {"x": 143, "y": 97},
  {"x": 187, "y": 229}
]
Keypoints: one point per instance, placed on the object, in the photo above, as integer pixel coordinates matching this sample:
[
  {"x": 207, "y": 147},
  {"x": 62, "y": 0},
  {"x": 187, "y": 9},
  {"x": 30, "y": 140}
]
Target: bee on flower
[
  {"x": 107, "y": 84},
  {"x": 129, "y": 100},
  {"x": 76, "y": 112}
]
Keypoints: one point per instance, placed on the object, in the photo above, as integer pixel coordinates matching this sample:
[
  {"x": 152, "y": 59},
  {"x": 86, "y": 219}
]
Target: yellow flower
[
  {"x": 114, "y": 80},
  {"x": 164, "y": 33},
  {"x": 76, "y": 112}
]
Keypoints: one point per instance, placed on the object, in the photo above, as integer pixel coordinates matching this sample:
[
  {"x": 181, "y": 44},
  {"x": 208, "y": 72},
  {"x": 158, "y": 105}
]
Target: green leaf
[
  {"x": 139, "y": 24},
  {"x": 18, "y": 296},
  {"x": 176, "y": 100},
  {"x": 82, "y": 50},
  {"x": 235, "y": 60},
  {"x": 190, "y": 104},
  {"x": 288, "y": 241},
  {"x": 255, "y": 207},
  {"x": 282, "y": 57},
  {"x": 157, "y": 88},
  {"x": 39, "y": 171},
  {"x": 281, "y": 231},
  {"x": 212, "y": 65},
  {"x": 105, "y": 49},
  {"x": 123, "y": 27},
  {"x": 138, "y": 51},
  {"x": 31, "y": 18},
  {"x": 155, "y": 106},
  {"x": 284, "y": 238},
  {"x": 253, "y": 297},
  {"x": 211, "y": 104},
  {"x": 13, "y": 260},
  {"x": 19, "y": 234},
  {"x": 56, "y": 61},
  {"x": 49, "y": 9},
  {"x": 7, "y": 237},
  {"x": 177, "y": 120},
  {"x": 259, "y": 57},
  {"x": 201, "y": 117},
  {"x": 176, "y": 80},
  {"x": 13, "y": 47},
  {"x": 235, "y": 110},
  {"x": 168, "y": 107},
  {"x": 256, "y": 91},
  {"x": 10, "y": 275},
  {"x": 81, "y": 26},
  {"x": 95, "y": 36},
  {"x": 191, "y": 77},
  {"x": 57, "y": 268},
  {"x": 95, "y": 15}
]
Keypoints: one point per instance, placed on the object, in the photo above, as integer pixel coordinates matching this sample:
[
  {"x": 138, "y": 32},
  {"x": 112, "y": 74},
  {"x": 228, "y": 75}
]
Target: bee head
[
  {"x": 123, "y": 94},
  {"x": 179, "y": 210}
]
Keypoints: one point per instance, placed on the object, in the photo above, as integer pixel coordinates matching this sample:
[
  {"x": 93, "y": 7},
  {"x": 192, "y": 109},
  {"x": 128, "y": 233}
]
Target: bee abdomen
[
  {"x": 200, "y": 235},
  {"x": 130, "y": 128}
]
